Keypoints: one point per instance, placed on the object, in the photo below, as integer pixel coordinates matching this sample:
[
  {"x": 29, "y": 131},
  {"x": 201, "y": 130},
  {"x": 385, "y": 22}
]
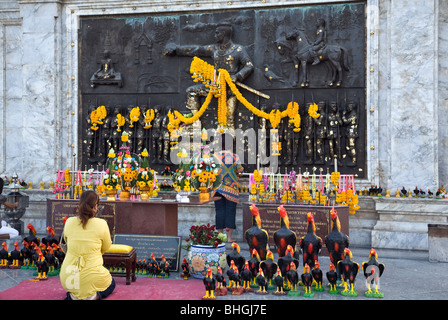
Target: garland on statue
[{"x": 217, "y": 82}]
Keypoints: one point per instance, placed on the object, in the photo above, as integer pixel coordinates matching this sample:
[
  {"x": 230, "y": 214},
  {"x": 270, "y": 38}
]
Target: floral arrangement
[
  {"x": 111, "y": 181},
  {"x": 125, "y": 165},
  {"x": 205, "y": 235},
  {"x": 97, "y": 116},
  {"x": 133, "y": 117},
  {"x": 145, "y": 175},
  {"x": 182, "y": 177},
  {"x": 205, "y": 171}
]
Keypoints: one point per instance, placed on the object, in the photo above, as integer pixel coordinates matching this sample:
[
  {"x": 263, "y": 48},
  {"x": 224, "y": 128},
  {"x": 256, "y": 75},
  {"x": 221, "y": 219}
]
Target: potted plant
[{"x": 206, "y": 248}]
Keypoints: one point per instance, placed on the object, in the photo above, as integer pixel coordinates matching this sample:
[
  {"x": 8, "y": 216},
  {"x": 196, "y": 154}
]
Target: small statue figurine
[
  {"x": 209, "y": 283},
  {"x": 373, "y": 270},
  {"x": 307, "y": 280},
  {"x": 278, "y": 280},
  {"x": 348, "y": 269},
  {"x": 332, "y": 278},
  {"x": 185, "y": 274},
  {"x": 221, "y": 289}
]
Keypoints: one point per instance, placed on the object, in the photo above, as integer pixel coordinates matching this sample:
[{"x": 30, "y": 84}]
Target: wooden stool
[{"x": 130, "y": 262}]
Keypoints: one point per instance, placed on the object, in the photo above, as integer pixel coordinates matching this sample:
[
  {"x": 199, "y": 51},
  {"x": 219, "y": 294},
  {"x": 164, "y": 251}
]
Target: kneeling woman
[{"x": 87, "y": 237}]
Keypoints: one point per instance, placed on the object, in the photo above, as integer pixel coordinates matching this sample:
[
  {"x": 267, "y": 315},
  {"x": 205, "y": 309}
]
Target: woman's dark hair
[{"x": 86, "y": 207}]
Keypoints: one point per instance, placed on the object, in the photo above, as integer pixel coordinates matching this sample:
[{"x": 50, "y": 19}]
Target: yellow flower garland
[
  {"x": 149, "y": 116},
  {"x": 206, "y": 73},
  {"x": 133, "y": 117},
  {"x": 120, "y": 121},
  {"x": 312, "y": 111}
]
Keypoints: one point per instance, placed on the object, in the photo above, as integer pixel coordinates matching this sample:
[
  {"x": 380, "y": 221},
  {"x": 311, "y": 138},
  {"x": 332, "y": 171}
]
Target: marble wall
[{"x": 406, "y": 72}]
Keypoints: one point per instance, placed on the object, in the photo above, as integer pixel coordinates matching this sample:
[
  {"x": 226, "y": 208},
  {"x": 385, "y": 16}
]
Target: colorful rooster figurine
[
  {"x": 284, "y": 263},
  {"x": 332, "y": 277},
  {"x": 269, "y": 267},
  {"x": 262, "y": 283},
  {"x": 348, "y": 269},
  {"x": 254, "y": 265},
  {"x": 284, "y": 236},
  {"x": 209, "y": 283},
  {"x": 373, "y": 270},
  {"x": 237, "y": 258},
  {"x": 336, "y": 241},
  {"x": 256, "y": 237},
  {"x": 32, "y": 235},
  {"x": 310, "y": 243}
]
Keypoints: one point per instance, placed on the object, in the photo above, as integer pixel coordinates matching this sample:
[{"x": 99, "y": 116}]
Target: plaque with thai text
[
  {"x": 158, "y": 245},
  {"x": 58, "y": 209}
]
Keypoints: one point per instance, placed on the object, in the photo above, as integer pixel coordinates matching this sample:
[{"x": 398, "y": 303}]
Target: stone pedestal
[
  {"x": 403, "y": 222},
  {"x": 438, "y": 242}
]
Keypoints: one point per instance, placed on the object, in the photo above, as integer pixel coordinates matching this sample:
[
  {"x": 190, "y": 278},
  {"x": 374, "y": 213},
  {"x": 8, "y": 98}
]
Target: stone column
[
  {"x": 411, "y": 93},
  {"x": 40, "y": 137}
]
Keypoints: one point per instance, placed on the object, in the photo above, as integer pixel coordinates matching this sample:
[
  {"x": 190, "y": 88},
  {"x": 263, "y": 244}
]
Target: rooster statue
[
  {"x": 237, "y": 258},
  {"x": 310, "y": 243},
  {"x": 42, "y": 267},
  {"x": 246, "y": 276},
  {"x": 185, "y": 274},
  {"x": 284, "y": 236},
  {"x": 32, "y": 235},
  {"x": 293, "y": 279},
  {"x": 318, "y": 277},
  {"x": 336, "y": 241},
  {"x": 26, "y": 255},
  {"x": 254, "y": 265},
  {"x": 221, "y": 289},
  {"x": 16, "y": 257},
  {"x": 373, "y": 270},
  {"x": 209, "y": 283},
  {"x": 348, "y": 269},
  {"x": 278, "y": 280},
  {"x": 262, "y": 283},
  {"x": 284, "y": 263},
  {"x": 332, "y": 277},
  {"x": 256, "y": 237},
  {"x": 50, "y": 239},
  {"x": 307, "y": 280},
  {"x": 269, "y": 267},
  {"x": 4, "y": 255}
]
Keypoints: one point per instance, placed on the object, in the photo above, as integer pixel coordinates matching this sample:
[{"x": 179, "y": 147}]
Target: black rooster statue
[
  {"x": 336, "y": 241},
  {"x": 284, "y": 236},
  {"x": 310, "y": 243},
  {"x": 284, "y": 263},
  {"x": 262, "y": 283},
  {"x": 348, "y": 269},
  {"x": 373, "y": 270},
  {"x": 269, "y": 267},
  {"x": 256, "y": 237},
  {"x": 221, "y": 289},
  {"x": 293, "y": 280},
  {"x": 307, "y": 280},
  {"x": 332, "y": 277},
  {"x": 254, "y": 265},
  {"x": 209, "y": 283},
  {"x": 237, "y": 258},
  {"x": 278, "y": 280}
]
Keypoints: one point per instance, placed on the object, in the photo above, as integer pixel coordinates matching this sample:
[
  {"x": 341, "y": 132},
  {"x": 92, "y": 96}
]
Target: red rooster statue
[
  {"x": 373, "y": 270},
  {"x": 332, "y": 277},
  {"x": 336, "y": 241},
  {"x": 310, "y": 243},
  {"x": 284, "y": 236},
  {"x": 256, "y": 237},
  {"x": 307, "y": 280},
  {"x": 293, "y": 279},
  {"x": 348, "y": 269}
]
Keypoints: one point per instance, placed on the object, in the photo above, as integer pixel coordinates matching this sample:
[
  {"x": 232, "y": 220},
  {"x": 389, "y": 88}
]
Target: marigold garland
[
  {"x": 149, "y": 116},
  {"x": 120, "y": 121},
  {"x": 312, "y": 111},
  {"x": 206, "y": 73},
  {"x": 133, "y": 117}
]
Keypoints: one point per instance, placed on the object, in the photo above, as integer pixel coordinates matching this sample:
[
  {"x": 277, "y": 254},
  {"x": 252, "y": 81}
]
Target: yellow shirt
[{"x": 82, "y": 272}]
